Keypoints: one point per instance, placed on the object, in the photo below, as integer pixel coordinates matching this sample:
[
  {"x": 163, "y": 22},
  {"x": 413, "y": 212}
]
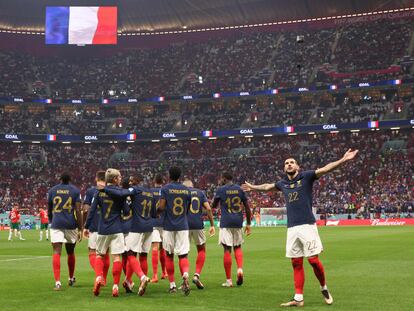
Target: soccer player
[
  {"x": 44, "y": 224},
  {"x": 93, "y": 229},
  {"x": 176, "y": 200},
  {"x": 232, "y": 201},
  {"x": 64, "y": 211},
  {"x": 196, "y": 227},
  {"x": 157, "y": 250},
  {"x": 139, "y": 239},
  {"x": 302, "y": 235},
  {"x": 14, "y": 217}
]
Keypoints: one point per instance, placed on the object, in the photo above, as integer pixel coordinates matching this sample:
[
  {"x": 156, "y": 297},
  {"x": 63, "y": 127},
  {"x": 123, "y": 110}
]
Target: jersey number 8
[{"x": 178, "y": 206}]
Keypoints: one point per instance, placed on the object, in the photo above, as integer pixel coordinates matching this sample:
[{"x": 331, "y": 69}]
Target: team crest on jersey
[{"x": 292, "y": 186}]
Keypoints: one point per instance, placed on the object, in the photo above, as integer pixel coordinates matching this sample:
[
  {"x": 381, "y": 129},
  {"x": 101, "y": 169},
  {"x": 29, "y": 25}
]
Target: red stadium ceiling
[{"x": 147, "y": 15}]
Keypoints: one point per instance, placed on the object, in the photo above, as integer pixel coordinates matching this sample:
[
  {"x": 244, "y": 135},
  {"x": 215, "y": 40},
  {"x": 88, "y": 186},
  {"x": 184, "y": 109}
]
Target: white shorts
[
  {"x": 303, "y": 241},
  {"x": 176, "y": 242},
  {"x": 92, "y": 240},
  {"x": 198, "y": 236},
  {"x": 114, "y": 242},
  {"x": 157, "y": 234},
  {"x": 64, "y": 236},
  {"x": 138, "y": 242},
  {"x": 231, "y": 236}
]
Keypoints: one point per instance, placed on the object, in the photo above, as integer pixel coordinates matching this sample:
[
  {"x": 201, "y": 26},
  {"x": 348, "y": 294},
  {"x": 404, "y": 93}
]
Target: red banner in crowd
[{"x": 367, "y": 222}]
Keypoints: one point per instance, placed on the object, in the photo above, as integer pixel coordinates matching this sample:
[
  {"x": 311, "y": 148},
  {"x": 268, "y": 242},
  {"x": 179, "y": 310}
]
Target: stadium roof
[{"x": 156, "y": 15}]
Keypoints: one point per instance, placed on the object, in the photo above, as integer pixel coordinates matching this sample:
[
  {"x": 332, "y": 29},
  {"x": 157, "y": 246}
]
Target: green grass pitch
[{"x": 367, "y": 268}]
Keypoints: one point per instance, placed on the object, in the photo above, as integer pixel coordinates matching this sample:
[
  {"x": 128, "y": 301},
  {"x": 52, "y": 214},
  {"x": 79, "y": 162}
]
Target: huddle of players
[{"x": 125, "y": 219}]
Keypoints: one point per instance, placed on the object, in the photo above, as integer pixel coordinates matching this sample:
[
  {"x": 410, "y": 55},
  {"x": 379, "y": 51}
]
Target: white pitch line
[{"x": 25, "y": 258}]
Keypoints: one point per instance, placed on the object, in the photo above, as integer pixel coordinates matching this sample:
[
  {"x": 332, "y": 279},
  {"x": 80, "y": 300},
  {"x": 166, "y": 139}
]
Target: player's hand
[
  {"x": 247, "y": 186},
  {"x": 349, "y": 155},
  {"x": 247, "y": 230},
  {"x": 86, "y": 233},
  {"x": 212, "y": 231},
  {"x": 80, "y": 235}
]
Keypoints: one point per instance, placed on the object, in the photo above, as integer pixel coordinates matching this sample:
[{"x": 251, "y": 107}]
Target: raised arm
[
  {"x": 119, "y": 193},
  {"x": 349, "y": 155},
  {"x": 263, "y": 187}
]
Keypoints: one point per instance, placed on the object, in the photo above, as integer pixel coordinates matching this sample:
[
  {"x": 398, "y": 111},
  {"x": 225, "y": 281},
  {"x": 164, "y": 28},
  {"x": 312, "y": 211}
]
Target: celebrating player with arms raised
[
  {"x": 196, "y": 226},
  {"x": 64, "y": 210},
  {"x": 176, "y": 200},
  {"x": 232, "y": 199},
  {"x": 302, "y": 236}
]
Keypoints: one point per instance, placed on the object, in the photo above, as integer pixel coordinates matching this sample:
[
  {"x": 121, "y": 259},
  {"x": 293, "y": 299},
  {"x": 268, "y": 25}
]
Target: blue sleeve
[
  {"x": 92, "y": 211},
  {"x": 277, "y": 185},
  {"x": 310, "y": 175},
  {"x": 154, "y": 210},
  {"x": 119, "y": 193},
  {"x": 88, "y": 197},
  {"x": 164, "y": 194},
  {"x": 203, "y": 198},
  {"x": 77, "y": 195},
  {"x": 49, "y": 206},
  {"x": 216, "y": 199},
  {"x": 126, "y": 209},
  {"x": 243, "y": 197}
]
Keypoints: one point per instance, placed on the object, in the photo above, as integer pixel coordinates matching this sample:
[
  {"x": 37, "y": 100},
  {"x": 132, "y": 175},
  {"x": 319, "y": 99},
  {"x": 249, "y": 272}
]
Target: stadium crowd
[{"x": 374, "y": 183}]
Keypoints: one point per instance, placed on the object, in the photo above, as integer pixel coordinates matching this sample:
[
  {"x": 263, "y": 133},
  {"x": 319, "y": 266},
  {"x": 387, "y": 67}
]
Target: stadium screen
[{"x": 81, "y": 25}]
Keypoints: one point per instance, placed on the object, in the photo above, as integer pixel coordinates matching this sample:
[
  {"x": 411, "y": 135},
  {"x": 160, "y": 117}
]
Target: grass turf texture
[{"x": 367, "y": 268}]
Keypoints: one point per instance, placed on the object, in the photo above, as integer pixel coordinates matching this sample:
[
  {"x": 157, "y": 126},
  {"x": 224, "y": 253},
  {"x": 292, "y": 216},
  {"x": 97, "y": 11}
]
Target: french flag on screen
[
  {"x": 207, "y": 133},
  {"x": 373, "y": 124},
  {"x": 51, "y": 137},
  {"x": 132, "y": 136},
  {"x": 81, "y": 25},
  {"x": 289, "y": 129}
]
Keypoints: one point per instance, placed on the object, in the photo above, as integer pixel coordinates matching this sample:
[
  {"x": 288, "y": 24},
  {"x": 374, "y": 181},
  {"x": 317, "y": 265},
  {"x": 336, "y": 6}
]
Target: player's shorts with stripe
[
  {"x": 157, "y": 234},
  {"x": 115, "y": 243},
  {"x": 64, "y": 236},
  {"x": 198, "y": 236},
  {"x": 303, "y": 241},
  {"x": 138, "y": 242},
  {"x": 44, "y": 226},
  {"x": 176, "y": 242},
  {"x": 15, "y": 225},
  {"x": 231, "y": 236},
  {"x": 92, "y": 240}
]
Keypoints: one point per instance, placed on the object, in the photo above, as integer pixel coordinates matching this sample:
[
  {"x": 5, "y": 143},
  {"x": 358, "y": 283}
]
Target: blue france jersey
[
  {"x": 231, "y": 197},
  {"x": 110, "y": 221},
  {"x": 159, "y": 221},
  {"x": 142, "y": 205},
  {"x": 178, "y": 200},
  {"x": 298, "y": 197},
  {"x": 62, "y": 201},
  {"x": 90, "y": 193},
  {"x": 127, "y": 217},
  {"x": 195, "y": 213}
]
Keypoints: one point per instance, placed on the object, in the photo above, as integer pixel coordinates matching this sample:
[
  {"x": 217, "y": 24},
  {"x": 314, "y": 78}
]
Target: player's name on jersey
[
  {"x": 103, "y": 194},
  {"x": 178, "y": 191},
  {"x": 193, "y": 192},
  {"x": 147, "y": 194},
  {"x": 62, "y": 192},
  {"x": 232, "y": 192}
]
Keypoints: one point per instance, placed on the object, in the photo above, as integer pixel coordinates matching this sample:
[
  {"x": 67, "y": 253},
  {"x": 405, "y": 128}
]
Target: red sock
[
  {"x": 99, "y": 264},
  {"x": 144, "y": 263},
  {"x": 184, "y": 265},
  {"x": 116, "y": 271},
  {"x": 169, "y": 262},
  {"x": 107, "y": 263},
  {"x": 238, "y": 254},
  {"x": 154, "y": 260},
  {"x": 56, "y": 266},
  {"x": 71, "y": 264},
  {"x": 92, "y": 257},
  {"x": 298, "y": 274},
  {"x": 163, "y": 255},
  {"x": 134, "y": 265},
  {"x": 227, "y": 264},
  {"x": 201, "y": 258},
  {"x": 128, "y": 272},
  {"x": 125, "y": 263},
  {"x": 318, "y": 269}
]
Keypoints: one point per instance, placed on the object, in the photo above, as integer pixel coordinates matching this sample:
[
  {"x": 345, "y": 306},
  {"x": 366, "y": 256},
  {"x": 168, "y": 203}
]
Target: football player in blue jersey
[
  {"x": 233, "y": 201},
  {"x": 65, "y": 215},
  {"x": 302, "y": 235}
]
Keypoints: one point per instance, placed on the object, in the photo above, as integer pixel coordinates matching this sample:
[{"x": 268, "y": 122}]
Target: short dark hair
[
  {"x": 100, "y": 175},
  {"x": 65, "y": 178},
  {"x": 137, "y": 178},
  {"x": 291, "y": 157},
  {"x": 227, "y": 176},
  {"x": 125, "y": 183},
  {"x": 159, "y": 180},
  {"x": 175, "y": 173}
]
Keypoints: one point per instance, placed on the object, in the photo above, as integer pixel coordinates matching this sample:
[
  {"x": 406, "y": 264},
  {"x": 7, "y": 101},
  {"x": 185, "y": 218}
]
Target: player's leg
[
  {"x": 168, "y": 244},
  {"x": 102, "y": 246},
  {"x": 70, "y": 250},
  {"x": 10, "y": 232},
  {"x": 182, "y": 248},
  {"x": 116, "y": 273},
  {"x": 107, "y": 264},
  {"x": 154, "y": 261},
  {"x": 47, "y": 232},
  {"x": 57, "y": 251},
  {"x": 226, "y": 239},
  {"x": 19, "y": 233},
  {"x": 238, "y": 255},
  {"x": 41, "y": 233},
  {"x": 163, "y": 255},
  {"x": 199, "y": 238},
  {"x": 143, "y": 262},
  {"x": 92, "y": 249}
]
